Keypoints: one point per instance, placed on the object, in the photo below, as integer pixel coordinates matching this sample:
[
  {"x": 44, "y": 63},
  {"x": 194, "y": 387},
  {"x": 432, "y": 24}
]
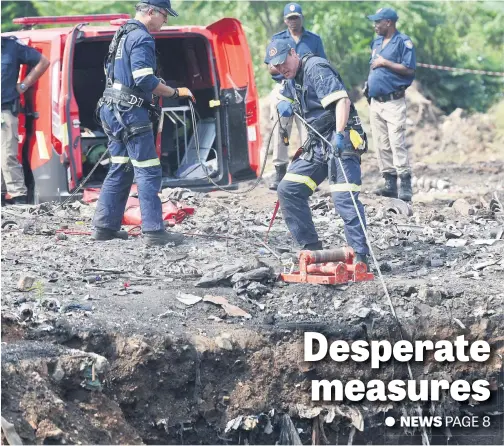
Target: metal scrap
[{"x": 230, "y": 309}]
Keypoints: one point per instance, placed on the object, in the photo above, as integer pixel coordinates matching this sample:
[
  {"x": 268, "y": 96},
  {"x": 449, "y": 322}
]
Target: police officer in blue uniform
[
  {"x": 15, "y": 53},
  {"x": 392, "y": 71},
  {"x": 316, "y": 89},
  {"x": 304, "y": 42},
  {"x": 125, "y": 111}
]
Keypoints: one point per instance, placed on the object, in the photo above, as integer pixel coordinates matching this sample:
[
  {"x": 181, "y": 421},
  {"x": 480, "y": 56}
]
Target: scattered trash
[
  {"x": 25, "y": 283},
  {"x": 51, "y": 304},
  {"x": 233, "y": 424},
  {"x": 482, "y": 265},
  {"x": 188, "y": 299},
  {"x": 399, "y": 207},
  {"x": 436, "y": 262},
  {"x": 9, "y": 224},
  {"x": 452, "y": 232},
  {"x": 218, "y": 275},
  {"x": 231, "y": 310},
  {"x": 92, "y": 279},
  {"x": 76, "y": 306},
  {"x": 256, "y": 290},
  {"x": 288, "y": 433},
  {"x": 456, "y": 243},
  {"x": 25, "y": 312},
  {"x": 259, "y": 274},
  {"x": 459, "y": 323}
]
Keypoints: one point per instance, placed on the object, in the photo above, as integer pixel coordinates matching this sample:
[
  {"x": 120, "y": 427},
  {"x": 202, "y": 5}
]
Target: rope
[
  {"x": 461, "y": 70},
  {"x": 425, "y": 438}
]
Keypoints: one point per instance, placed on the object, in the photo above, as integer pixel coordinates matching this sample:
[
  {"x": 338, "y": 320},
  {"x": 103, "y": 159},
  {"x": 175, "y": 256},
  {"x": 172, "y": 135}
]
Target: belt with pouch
[
  {"x": 390, "y": 97},
  {"x": 126, "y": 97}
]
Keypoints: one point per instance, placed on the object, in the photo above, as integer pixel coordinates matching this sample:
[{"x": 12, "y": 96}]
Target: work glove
[
  {"x": 183, "y": 92},
  {"x": 285, "y": 109},
  {"x": 338, "y": 143}
]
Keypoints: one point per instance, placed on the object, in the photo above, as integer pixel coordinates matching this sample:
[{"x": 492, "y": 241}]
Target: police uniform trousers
[
  {"x": 280, "y": 149},
  {"x": 134, "y": 158},
  {"x": 12, "y": 171},
  {"x": 388, "y": 124},
  {"x": 299, "y": 183}
]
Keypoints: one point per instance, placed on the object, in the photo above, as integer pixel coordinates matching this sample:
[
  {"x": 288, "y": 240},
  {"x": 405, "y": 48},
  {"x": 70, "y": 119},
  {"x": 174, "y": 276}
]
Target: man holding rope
[{"x": 315, "y": 92}]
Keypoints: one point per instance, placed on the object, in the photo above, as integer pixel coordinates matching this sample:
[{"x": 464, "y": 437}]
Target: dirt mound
[
  {"x": 432, "y": 135},
  {"x": 459, "y": 137}
]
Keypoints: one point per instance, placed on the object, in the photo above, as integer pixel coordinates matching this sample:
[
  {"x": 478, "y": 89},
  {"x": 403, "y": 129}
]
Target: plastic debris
[
  {"x": 288, "y": 432},
  {"x": 188, "y": 299}
]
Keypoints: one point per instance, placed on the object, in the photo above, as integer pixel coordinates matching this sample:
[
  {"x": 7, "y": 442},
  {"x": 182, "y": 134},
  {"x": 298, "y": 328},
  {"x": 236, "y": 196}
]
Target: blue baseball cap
[
  {"x": 384, "y": 14},
  {"x": 277, "y": 51},
  {"x": 292, "y": 9},
  {"x": 162, "y": 4}
]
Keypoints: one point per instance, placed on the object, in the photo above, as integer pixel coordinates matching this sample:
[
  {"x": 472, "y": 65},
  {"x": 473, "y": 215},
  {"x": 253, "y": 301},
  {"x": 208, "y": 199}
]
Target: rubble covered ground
[{"x": 118, "y": 343}]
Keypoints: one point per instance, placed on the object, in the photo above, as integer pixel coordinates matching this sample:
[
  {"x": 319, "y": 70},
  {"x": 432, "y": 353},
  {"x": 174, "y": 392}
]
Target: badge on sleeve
[{"x": 409, "y": 44}]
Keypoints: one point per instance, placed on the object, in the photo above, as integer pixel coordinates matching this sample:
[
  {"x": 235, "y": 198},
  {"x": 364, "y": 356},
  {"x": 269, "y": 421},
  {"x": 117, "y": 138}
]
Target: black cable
[{"x": 205, "y": 170}]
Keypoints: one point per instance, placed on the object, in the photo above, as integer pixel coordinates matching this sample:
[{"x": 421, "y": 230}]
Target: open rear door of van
[
  {"x": 22, "y": 112},
  {"x": 69, "y": 113},
  {"x": 238, "y": 96}
]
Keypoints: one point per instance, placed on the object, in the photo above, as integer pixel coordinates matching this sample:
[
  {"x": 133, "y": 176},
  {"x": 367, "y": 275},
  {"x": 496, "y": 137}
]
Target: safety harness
[
  {"x": 120, "y": 98},
  {"x": 325, "y": 124}
]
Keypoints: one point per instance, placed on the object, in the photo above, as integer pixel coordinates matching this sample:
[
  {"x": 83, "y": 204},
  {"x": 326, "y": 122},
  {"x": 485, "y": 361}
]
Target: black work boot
[
  {"x": 390, "y": 187},
  {"x": 405, "y": 190},
  {"x": 280, "y": 173},
  {"x": 102, "y": 234},
  {"x": 317, "y": 246},
  {"x": 363, "y": 258},
  {"x": 160, "y": 238}
]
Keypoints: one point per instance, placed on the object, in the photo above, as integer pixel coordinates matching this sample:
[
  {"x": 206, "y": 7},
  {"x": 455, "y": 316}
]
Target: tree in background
[
  {"x": 455, "y": 34},
  {"x": 13, "y": 9}
]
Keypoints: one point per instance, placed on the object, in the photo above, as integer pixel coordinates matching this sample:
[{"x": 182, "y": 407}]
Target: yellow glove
[{"x": 184, "y": 92}]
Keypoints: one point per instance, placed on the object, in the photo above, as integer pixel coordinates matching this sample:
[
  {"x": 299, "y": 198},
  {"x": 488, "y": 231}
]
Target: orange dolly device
[{"x": 328, "y": 267}]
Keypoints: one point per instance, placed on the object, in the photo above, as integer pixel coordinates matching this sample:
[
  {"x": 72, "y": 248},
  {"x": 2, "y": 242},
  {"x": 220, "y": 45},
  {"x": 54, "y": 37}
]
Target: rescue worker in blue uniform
[
  {"x": 392, "y": 71},
  {"x": 15, "y": 53},
  {"x": 124, "y": 111},
  {"x": 304, "y": 42},
  {"x": 316, "y": 89}
]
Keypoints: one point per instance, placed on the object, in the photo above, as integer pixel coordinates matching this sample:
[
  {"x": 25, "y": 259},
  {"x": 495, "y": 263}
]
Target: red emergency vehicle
[{"x": 60, "y": 139}]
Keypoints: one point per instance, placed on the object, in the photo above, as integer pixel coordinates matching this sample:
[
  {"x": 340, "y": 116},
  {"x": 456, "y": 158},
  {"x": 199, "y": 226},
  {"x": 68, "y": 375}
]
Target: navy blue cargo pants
[
  {"x": 134, "y": 158},
  {"x": 301, "y": 180}
]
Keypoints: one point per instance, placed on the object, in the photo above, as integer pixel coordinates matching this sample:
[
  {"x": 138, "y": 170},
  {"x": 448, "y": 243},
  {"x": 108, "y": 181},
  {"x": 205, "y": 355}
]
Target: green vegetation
[{"x": 456, "y": 34}]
